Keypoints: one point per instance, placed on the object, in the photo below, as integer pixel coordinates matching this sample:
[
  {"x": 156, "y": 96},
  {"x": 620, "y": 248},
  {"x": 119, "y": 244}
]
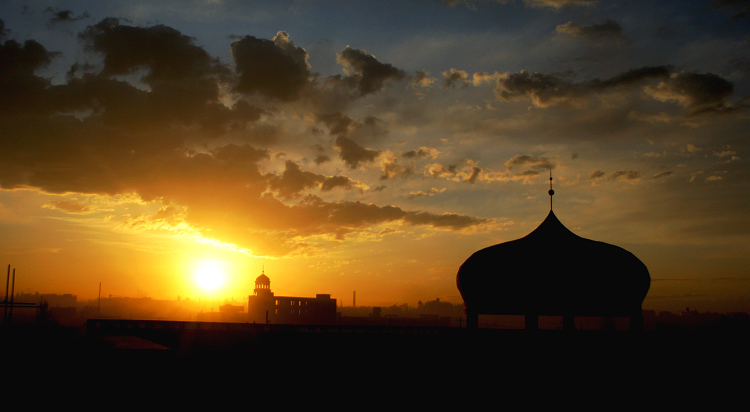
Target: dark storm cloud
[
  {"x": 167, "y": 54},
  {"x": 357, "y": 214},
  {"x": 274, "y": 68},
  {"x": 338, "y": 123},
  {"x": 542, "y": 89},
  {"x": 633, "y": 77},
  {"x": 693, "y": 91},
  {"x": 362, "y": 132},
  {"x": 366, "y": 72},
  {"x": 294, "y": 180},
  {"x": 606, "y": 29},
  {"x": 337, "y": 181},
  {"x": 21, "y": 90},
  {"x": 447, "y": 220},
  {"x": 352, "y": 153}
]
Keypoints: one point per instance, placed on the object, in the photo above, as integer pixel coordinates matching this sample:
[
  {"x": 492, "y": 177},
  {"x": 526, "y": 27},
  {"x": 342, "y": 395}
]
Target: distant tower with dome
[
  {"x": 263, "y": 285},
  {"x": 264, "y": 307}
]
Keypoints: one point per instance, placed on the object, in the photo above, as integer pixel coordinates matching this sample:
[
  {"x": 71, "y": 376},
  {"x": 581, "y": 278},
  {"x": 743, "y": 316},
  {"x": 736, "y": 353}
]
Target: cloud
[
  {"x": 68, "y": 206},
  {"x": 694, "y": 91},
  {"x": 453, "y": 77},
  {"x": 354, "y": 215},
  {"x": 169, "y": 217},
  {"x": 422, "y": 79},
  {"x": 340, "y": 124},
  {"x": 391, "y": 168},
  {"x": 626, "y": 175},
  {"x": 475, "y": 171},
  {"x": 692, "y": 149},
  {"x": 274, "y": 68},
  {"x": 339, "y": 181},
  {"x": 433, "y": 191},
  {"x": 421, "y": 152},
  {"x": 294, "y": 180},
  {"x": 446, "y": 220},
  {"x": 365, "y": 72},
  {"x": 320, "y": 155},
  {"x": 353, "y": 154},
  {"x": 621, "y": 175},
  {"x": 535, "y": 163},
  {"x": 182, "y": 81},
  {"x": 739, "y": 8},
  {"x": 606, "y": 29},
  {"x": 63, "y": 16},
  {"x": 154, "y": 118},
  {"x": 478, "y": 79},
  {"x": 729, "y": 156},
  {"x": 559, "y": 4},
  {"x": 439, "y": 170},
  {"x": 22, "y": 90},
  {"x": 164, "y": 52},
  {"x": 545, "y": 90},
  {"x": 663, "y": 174}
]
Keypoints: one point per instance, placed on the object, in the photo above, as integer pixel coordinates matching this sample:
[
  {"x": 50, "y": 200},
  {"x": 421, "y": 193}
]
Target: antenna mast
[{"x": 551, "y": 192}]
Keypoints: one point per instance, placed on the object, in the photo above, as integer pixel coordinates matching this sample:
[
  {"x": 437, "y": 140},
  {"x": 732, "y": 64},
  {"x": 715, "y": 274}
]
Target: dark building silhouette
[
  {"x": 553, "y": 272},
  {"x": 264, "y": 307}
]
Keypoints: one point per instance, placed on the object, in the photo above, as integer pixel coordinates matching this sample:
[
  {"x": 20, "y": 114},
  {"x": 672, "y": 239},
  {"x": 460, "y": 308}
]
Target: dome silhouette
[{"x": 553, "y": 271}]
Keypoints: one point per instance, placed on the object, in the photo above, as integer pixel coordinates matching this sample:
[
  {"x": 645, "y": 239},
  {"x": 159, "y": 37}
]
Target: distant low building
[{"x": 264, "y": 307}]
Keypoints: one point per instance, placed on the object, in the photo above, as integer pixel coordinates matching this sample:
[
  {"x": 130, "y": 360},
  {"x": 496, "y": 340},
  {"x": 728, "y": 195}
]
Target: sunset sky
[{"x": 369, "y": 146}]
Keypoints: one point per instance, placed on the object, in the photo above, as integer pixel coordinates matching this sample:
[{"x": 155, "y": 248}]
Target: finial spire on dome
[{"x": 551, "y": 192}]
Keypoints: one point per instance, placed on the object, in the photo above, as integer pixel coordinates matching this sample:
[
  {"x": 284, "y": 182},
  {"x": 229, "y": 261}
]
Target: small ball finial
[{"x": 551, "y": 192}]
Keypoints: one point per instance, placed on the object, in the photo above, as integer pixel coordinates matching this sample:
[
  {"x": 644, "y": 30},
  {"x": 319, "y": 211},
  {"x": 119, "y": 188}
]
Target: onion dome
[
  {"x": 263, "y": 279},
  {"x": 552, "y": 271}
]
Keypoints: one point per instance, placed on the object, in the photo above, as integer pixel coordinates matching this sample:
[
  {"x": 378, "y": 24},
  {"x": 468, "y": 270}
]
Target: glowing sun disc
[{"x": 209, "y": 275}]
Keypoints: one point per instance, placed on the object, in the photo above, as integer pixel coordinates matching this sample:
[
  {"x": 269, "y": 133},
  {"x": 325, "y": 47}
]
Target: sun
[{"x": 209, "y": 275}]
